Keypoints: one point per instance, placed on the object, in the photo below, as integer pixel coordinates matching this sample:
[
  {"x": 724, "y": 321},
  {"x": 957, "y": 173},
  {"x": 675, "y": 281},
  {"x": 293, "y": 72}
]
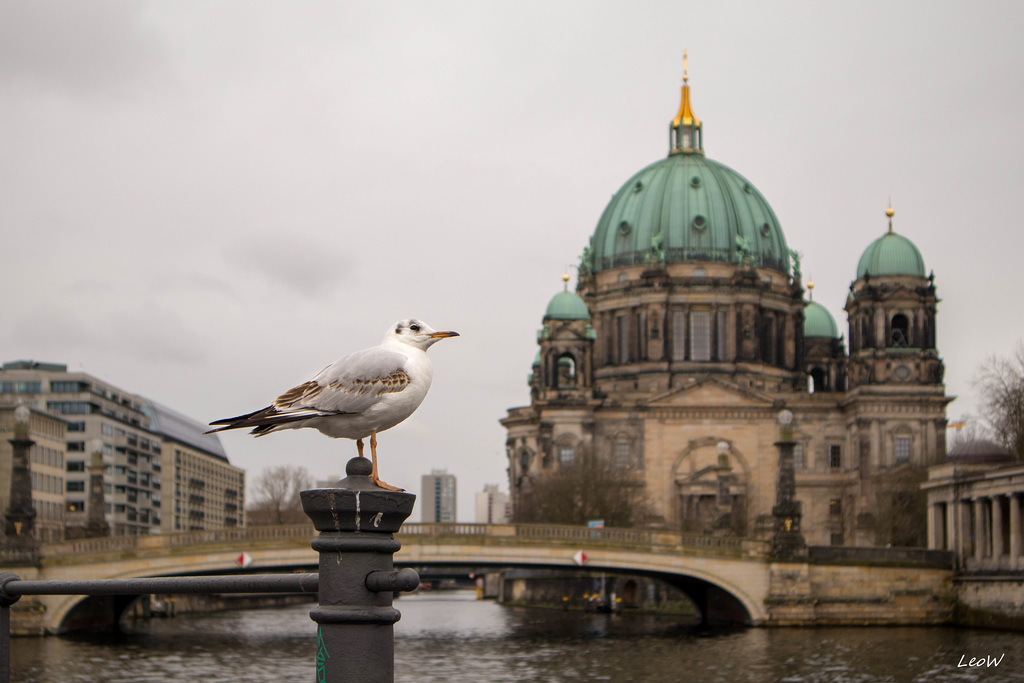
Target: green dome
[
  {"x": 567, "y": 306},
  {"x": 687, "y": 208},
  {"x": 891, "y": 254},
  {"x": 818, "y": 322}
]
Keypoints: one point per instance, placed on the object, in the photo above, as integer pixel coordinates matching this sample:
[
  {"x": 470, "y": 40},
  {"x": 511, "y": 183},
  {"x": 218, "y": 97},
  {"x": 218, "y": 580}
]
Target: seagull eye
[{"x": 414, "y": 327}]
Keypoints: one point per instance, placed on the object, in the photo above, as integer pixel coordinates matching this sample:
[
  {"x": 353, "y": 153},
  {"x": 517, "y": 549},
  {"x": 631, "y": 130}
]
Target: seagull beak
[{"x": 442, "y": 335}]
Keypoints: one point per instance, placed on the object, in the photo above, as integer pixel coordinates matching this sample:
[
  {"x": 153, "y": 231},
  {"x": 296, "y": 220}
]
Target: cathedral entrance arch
[{"x": 711, "y": 479}]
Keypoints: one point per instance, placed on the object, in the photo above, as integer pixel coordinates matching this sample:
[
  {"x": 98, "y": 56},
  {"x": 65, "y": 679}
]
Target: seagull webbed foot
[{"x": 385, "y": 485}]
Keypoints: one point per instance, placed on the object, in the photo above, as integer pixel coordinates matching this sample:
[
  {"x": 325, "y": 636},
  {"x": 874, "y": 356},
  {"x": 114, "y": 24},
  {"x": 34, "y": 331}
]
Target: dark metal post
[
  {"x": 787, "y": 543},
  {"x": 357, "y": 521},
  {"x": 6, "y": 601}
]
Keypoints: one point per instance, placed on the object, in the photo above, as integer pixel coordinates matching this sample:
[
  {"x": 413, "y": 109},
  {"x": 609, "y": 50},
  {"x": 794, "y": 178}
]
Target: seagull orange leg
[
  {"x": 373, "y": 474},
  {"x": 359, "y": 447}
]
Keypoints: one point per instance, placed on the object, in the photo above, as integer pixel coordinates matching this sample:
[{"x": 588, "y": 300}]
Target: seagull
[{"x": 356, "y": 396}]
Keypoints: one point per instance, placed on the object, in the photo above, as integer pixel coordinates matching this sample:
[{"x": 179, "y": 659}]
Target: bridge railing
[
  {"x": 250, "y": 534},
  {"x": 498, "y": 533},
  {"x": 576, "y": 534}
]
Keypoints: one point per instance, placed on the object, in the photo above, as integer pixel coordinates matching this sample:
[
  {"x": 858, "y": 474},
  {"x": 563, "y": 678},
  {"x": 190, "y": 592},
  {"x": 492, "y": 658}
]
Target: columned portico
[{"x": 975, "y": 510}]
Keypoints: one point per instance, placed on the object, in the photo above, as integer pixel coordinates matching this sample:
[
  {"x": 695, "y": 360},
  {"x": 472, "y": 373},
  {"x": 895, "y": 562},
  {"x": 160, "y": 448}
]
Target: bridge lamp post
[
  {"x": 723, "y": 493},
  {"x": 357, "y": 521},
  {"x": 787, "y": 542},
  {"x": 21, "y": 512},
  {"x": 95, "y": 516}
]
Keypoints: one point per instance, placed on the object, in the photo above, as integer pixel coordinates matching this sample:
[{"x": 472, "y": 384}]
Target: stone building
[
  {"x": 689, "y": 332},
  {"x": 974, "y": 508}
]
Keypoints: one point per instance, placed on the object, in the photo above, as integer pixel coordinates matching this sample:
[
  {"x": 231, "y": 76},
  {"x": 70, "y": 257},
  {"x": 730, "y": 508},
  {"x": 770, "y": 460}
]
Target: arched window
[
  {"x": 565, "y": 371},
  {"x": 900, "y": 331},
  {"x": 622, "y": 454},
  {"x": 819, "y": 380}
]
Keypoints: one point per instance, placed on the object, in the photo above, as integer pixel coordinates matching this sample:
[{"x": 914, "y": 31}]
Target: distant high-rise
[
  {"x": 438, "y": 496},
  {"x": 492, "y": 506}
]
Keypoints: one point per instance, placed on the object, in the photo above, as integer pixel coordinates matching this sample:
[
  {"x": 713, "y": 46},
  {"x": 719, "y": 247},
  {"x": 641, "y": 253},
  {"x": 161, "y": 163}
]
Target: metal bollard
[
  {"x": 355, "y": 618},
  {"x": 6, "y": 600}
]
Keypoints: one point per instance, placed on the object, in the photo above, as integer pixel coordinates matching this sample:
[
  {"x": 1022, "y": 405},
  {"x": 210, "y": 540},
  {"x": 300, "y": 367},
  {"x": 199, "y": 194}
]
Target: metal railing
[{"x": 12, "y": 588}]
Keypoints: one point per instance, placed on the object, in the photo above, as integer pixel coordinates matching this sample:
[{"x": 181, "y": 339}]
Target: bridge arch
[
  {"x": 727, "y": 591},
  {"x": 728, "y": 578}
]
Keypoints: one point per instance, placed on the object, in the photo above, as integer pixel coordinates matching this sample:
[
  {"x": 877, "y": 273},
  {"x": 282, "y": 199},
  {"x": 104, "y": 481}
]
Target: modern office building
[
  {"x": 437, "y": 493},
  {"x": 205, "y": 491},
  {"x": 492, "y": 506}
]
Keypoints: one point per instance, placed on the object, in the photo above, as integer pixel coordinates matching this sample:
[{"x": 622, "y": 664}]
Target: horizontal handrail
[{"x": 12, "y": 588}]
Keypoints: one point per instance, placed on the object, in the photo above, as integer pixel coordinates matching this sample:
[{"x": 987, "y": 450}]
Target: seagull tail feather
[{"x": 265, "y": 421}]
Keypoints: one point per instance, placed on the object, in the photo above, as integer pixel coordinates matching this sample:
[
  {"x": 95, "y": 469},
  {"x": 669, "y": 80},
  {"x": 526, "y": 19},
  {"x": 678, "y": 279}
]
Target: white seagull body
[{"x": 356, "y": 396}]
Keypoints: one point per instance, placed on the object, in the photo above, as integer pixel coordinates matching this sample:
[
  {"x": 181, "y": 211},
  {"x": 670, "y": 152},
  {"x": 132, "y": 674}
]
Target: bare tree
[
  {"x": 902, "y": 507},
  {"x": 589, "y": 489},
  {"x": 276, "y": 496},
  {"x": 965, "y": 429},
  {"x": 1001, "y": 384}
]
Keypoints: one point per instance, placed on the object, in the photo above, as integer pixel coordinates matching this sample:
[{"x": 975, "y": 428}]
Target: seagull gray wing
[{"x": 350, "y": 385}]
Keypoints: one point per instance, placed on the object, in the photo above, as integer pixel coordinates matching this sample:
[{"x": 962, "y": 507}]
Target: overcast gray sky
[{"x": 206, "y": 203}]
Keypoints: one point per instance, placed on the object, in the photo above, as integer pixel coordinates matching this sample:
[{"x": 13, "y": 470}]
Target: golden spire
[
  {"x": 889, "y": 212},
  {"x": 685, "y": 131},
  {"x": 810, "y": 289},
  {"x": 565, "y": 280},
  {"x": 685, "y": 116}
]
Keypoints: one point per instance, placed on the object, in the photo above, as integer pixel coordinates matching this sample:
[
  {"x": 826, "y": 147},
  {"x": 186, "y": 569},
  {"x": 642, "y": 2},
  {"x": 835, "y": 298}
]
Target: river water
[{"x": 451, "y": 637}]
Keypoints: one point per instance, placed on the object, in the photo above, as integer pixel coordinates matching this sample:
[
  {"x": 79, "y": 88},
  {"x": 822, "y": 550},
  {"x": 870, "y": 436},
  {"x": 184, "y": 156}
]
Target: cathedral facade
[{"x": 689, "y": 333}]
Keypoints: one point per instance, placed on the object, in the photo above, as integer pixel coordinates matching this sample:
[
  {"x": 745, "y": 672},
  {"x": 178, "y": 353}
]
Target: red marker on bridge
[{"x": 580, "y": 558}]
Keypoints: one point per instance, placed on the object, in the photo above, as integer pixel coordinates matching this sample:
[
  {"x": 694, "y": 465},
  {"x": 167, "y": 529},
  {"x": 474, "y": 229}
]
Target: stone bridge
[{"x": 729, "y": 579}]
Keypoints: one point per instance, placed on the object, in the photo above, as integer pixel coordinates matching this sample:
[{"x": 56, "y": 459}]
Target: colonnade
[{"x": 984, "y": 531}]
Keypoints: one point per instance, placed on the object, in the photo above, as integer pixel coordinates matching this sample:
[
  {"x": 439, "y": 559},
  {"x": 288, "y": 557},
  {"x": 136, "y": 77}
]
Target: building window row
[
  {"x": 20, "y": 387},
  {"x": 71, "y": 407},
  {"x": 46, "y": 483}
]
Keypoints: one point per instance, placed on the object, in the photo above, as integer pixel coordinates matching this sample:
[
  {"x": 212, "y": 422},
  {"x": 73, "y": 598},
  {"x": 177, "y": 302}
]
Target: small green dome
[
  {"x": 818, "y": 322},
  {"x": 567, "y": 306},
  {"x": 891, "y": 254}
]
